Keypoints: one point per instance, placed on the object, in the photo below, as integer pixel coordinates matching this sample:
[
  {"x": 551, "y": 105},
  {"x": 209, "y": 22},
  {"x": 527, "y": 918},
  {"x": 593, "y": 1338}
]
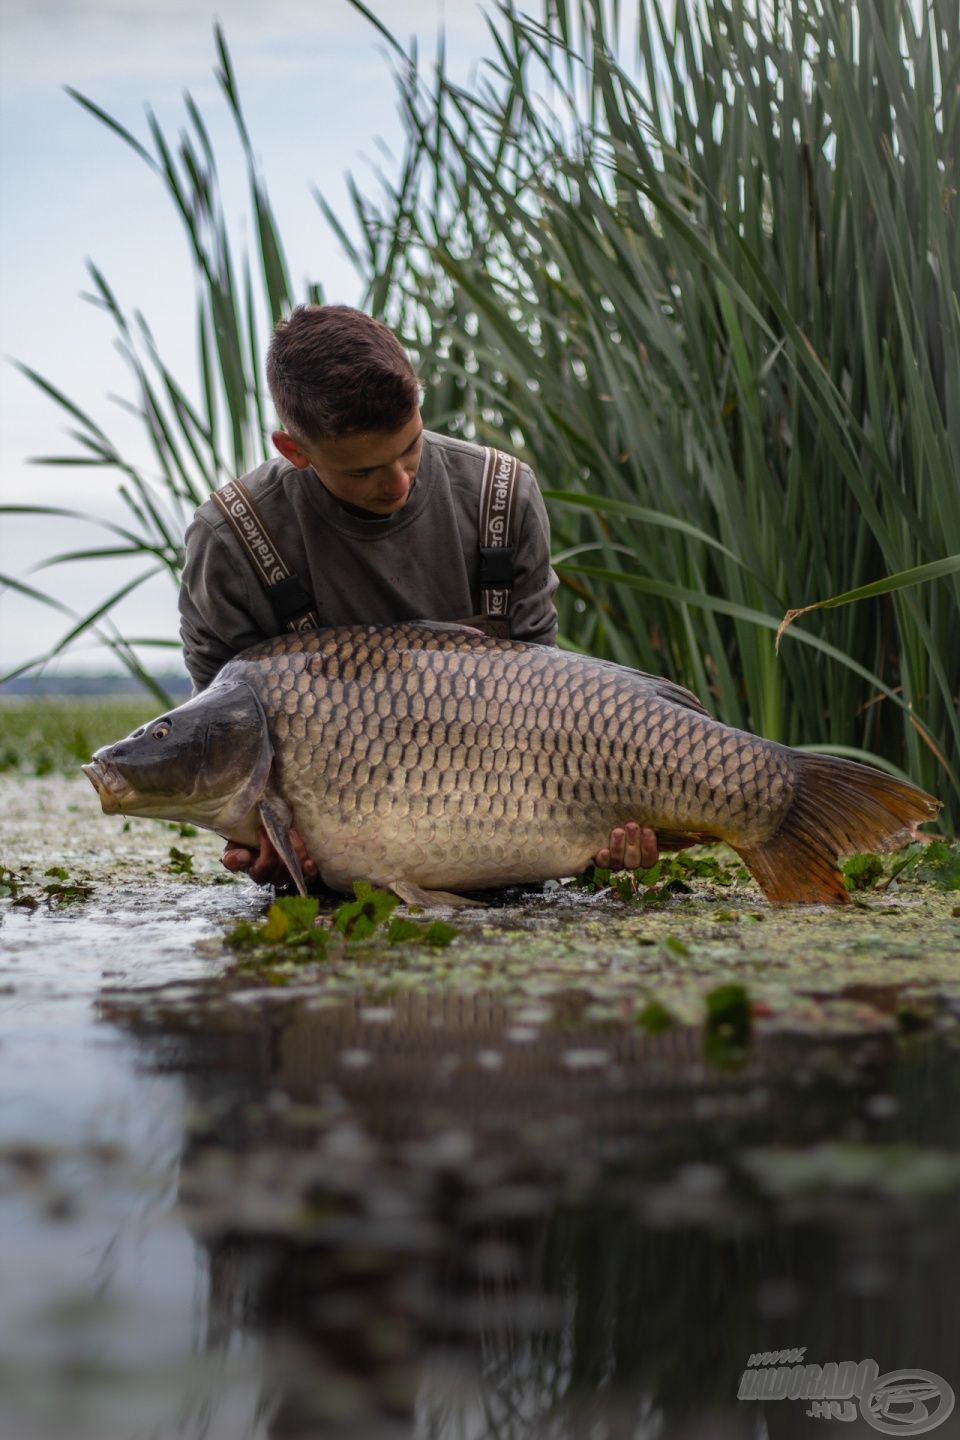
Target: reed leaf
[{"x": 919, "y": 575}]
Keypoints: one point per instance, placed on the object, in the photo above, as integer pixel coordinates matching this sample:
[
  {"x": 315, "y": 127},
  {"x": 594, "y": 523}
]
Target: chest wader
[{"x": 291, "y": 601}]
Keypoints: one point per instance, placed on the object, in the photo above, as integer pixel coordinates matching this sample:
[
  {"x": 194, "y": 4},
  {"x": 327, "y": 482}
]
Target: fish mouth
[{"x": 109, "y": 784}]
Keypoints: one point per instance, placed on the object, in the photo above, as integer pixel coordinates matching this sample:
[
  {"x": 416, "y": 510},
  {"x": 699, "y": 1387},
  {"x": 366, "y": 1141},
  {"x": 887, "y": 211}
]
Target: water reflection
[{"x": 444, "y": 1218}]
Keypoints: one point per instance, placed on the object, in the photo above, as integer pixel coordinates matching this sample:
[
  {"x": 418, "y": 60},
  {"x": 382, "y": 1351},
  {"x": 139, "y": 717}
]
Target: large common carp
[{"x": 429, "y": 758}]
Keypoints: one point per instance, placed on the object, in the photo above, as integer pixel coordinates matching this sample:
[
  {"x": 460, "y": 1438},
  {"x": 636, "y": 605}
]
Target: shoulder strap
[
  {"x": 498, "y": 504},
  {"x": 292, "y": 604}
]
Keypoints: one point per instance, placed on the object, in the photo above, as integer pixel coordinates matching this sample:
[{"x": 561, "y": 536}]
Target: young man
[{"x": 376, "y": 518}]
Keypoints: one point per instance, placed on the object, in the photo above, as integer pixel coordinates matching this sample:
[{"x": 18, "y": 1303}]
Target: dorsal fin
[
  {"x": 666, "y": 689},
  {"x": 676, "y": 694}
]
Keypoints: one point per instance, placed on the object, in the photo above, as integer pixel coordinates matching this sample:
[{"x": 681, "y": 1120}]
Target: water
[{"x": 397, "y": 1209}]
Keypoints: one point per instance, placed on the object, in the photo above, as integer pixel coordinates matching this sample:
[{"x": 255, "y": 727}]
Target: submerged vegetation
[{"x": 702, "y": 271}]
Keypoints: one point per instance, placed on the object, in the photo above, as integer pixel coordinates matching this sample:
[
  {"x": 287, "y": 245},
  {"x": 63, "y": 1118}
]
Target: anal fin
[{"x": 412, "y": 894}]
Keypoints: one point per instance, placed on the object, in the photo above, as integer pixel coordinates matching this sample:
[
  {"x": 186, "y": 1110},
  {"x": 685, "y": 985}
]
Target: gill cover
[{"x": 258, "y": 758}]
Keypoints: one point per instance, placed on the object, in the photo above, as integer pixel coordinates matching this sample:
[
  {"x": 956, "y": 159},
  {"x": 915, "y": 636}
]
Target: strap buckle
[
  {"x": 496, "y": 567},
  {"x": 288, "y": 598}
]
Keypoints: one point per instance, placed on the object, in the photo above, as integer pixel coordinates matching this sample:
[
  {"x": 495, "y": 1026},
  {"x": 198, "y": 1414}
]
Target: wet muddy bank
[{"x": 457, "y": 1192}]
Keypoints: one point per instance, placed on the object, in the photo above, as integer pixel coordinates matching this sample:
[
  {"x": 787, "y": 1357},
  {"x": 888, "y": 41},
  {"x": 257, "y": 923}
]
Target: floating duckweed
[{"x": 180, "y": 862}]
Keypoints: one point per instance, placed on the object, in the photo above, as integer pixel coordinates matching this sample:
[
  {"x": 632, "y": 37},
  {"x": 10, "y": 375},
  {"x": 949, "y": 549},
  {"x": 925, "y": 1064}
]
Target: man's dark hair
[{"x": 335, "y": 371}]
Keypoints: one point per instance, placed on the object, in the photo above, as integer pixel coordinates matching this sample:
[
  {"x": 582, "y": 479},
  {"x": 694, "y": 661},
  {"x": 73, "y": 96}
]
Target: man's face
[{"x": 374, "y": 471}]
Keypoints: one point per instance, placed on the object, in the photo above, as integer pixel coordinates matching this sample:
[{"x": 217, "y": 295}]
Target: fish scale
[
  {"x": 429, "y": 757},
  {"x": 451, "y": 759}
]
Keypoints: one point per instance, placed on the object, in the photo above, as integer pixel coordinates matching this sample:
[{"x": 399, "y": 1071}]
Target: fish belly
[
  {"x": 470, "y": 762},
  {"x": 442, "y": 853}
]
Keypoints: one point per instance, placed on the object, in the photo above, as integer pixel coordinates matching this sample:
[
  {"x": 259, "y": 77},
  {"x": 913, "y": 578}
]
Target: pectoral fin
[
  {"x": 412, "y": 894},
  {"x": 276, "y": 818}
]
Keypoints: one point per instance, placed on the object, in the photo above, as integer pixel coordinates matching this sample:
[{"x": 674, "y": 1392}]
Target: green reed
[{"x": 706, "y": 278}]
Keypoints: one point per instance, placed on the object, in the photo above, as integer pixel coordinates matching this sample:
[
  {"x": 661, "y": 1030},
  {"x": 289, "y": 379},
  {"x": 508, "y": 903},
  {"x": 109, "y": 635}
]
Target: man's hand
[
  {"x": 630, "y": 848},
  {"x": 264, "y": 865}
]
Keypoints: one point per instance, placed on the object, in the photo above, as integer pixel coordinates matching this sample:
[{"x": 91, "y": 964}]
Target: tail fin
[{"x": 838, "y": 808}]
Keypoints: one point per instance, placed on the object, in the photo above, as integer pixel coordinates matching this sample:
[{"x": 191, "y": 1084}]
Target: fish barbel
[{"x": 429, "y": 758}]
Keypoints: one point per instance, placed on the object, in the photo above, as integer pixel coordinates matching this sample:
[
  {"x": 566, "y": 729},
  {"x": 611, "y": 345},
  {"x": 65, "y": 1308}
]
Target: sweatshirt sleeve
[
  {"x": 532, "y": 613},
  {"x": 216, "y": 614}
]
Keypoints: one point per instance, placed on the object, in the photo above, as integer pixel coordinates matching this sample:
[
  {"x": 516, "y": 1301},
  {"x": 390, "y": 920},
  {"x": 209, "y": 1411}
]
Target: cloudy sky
[{"x": 317, "y": 91}]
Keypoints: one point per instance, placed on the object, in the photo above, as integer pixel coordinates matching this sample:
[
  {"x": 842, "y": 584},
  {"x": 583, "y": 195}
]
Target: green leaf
[
  {"x": 607, "y": 505},
  {"x": 361, "y": 917},
  {"x": 287, "y": 935},
  {"x": 243, "y": 935},
  {"x": 917, "y": 575},
  {"x": 300, "y": 911},
  {"x": 940, "y": 866},
  {"x": 861, "y": 872},
  {"x": 439, "y": 933},
  {"x": 180, "y": 862},
  {"x": 111, "y": 124},
  {"x": 399, "y": 931},
  {"x": 276, "y": 927}
]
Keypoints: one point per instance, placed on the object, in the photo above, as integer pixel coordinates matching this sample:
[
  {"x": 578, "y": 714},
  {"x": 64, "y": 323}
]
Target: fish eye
[{"x": 161, "y": 731}]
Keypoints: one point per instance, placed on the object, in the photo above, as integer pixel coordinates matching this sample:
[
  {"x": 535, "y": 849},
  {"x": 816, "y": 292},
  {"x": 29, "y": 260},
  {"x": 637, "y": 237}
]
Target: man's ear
[{"x": 290, "y": 450}]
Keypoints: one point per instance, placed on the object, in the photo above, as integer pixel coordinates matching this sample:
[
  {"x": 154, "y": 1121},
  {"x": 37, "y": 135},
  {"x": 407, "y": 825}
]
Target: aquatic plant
[
  {"x": 704, "y": 277},
  {"x": 294, "y": 930},
  {"x": 56, "y": 887}
]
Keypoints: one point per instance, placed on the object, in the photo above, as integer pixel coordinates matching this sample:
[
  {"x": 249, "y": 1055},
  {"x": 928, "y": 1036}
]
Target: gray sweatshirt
[{"x": 421, "y": 563}]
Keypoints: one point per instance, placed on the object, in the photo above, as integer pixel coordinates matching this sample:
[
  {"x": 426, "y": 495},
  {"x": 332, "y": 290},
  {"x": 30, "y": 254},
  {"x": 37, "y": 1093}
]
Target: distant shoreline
[{"x": 52, "y": 687}]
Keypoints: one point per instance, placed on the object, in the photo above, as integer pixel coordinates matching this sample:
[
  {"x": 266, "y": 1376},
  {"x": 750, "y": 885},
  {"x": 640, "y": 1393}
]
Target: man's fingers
[
  {"x": 267, "y": 865},
  {"x": 300, "y": 850},
  {"x": 236, "y": 858},
  {"x": 264, "y": 865},
  {"x": 649, "y": 851},
  {"x": 631, "y": 847}
]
